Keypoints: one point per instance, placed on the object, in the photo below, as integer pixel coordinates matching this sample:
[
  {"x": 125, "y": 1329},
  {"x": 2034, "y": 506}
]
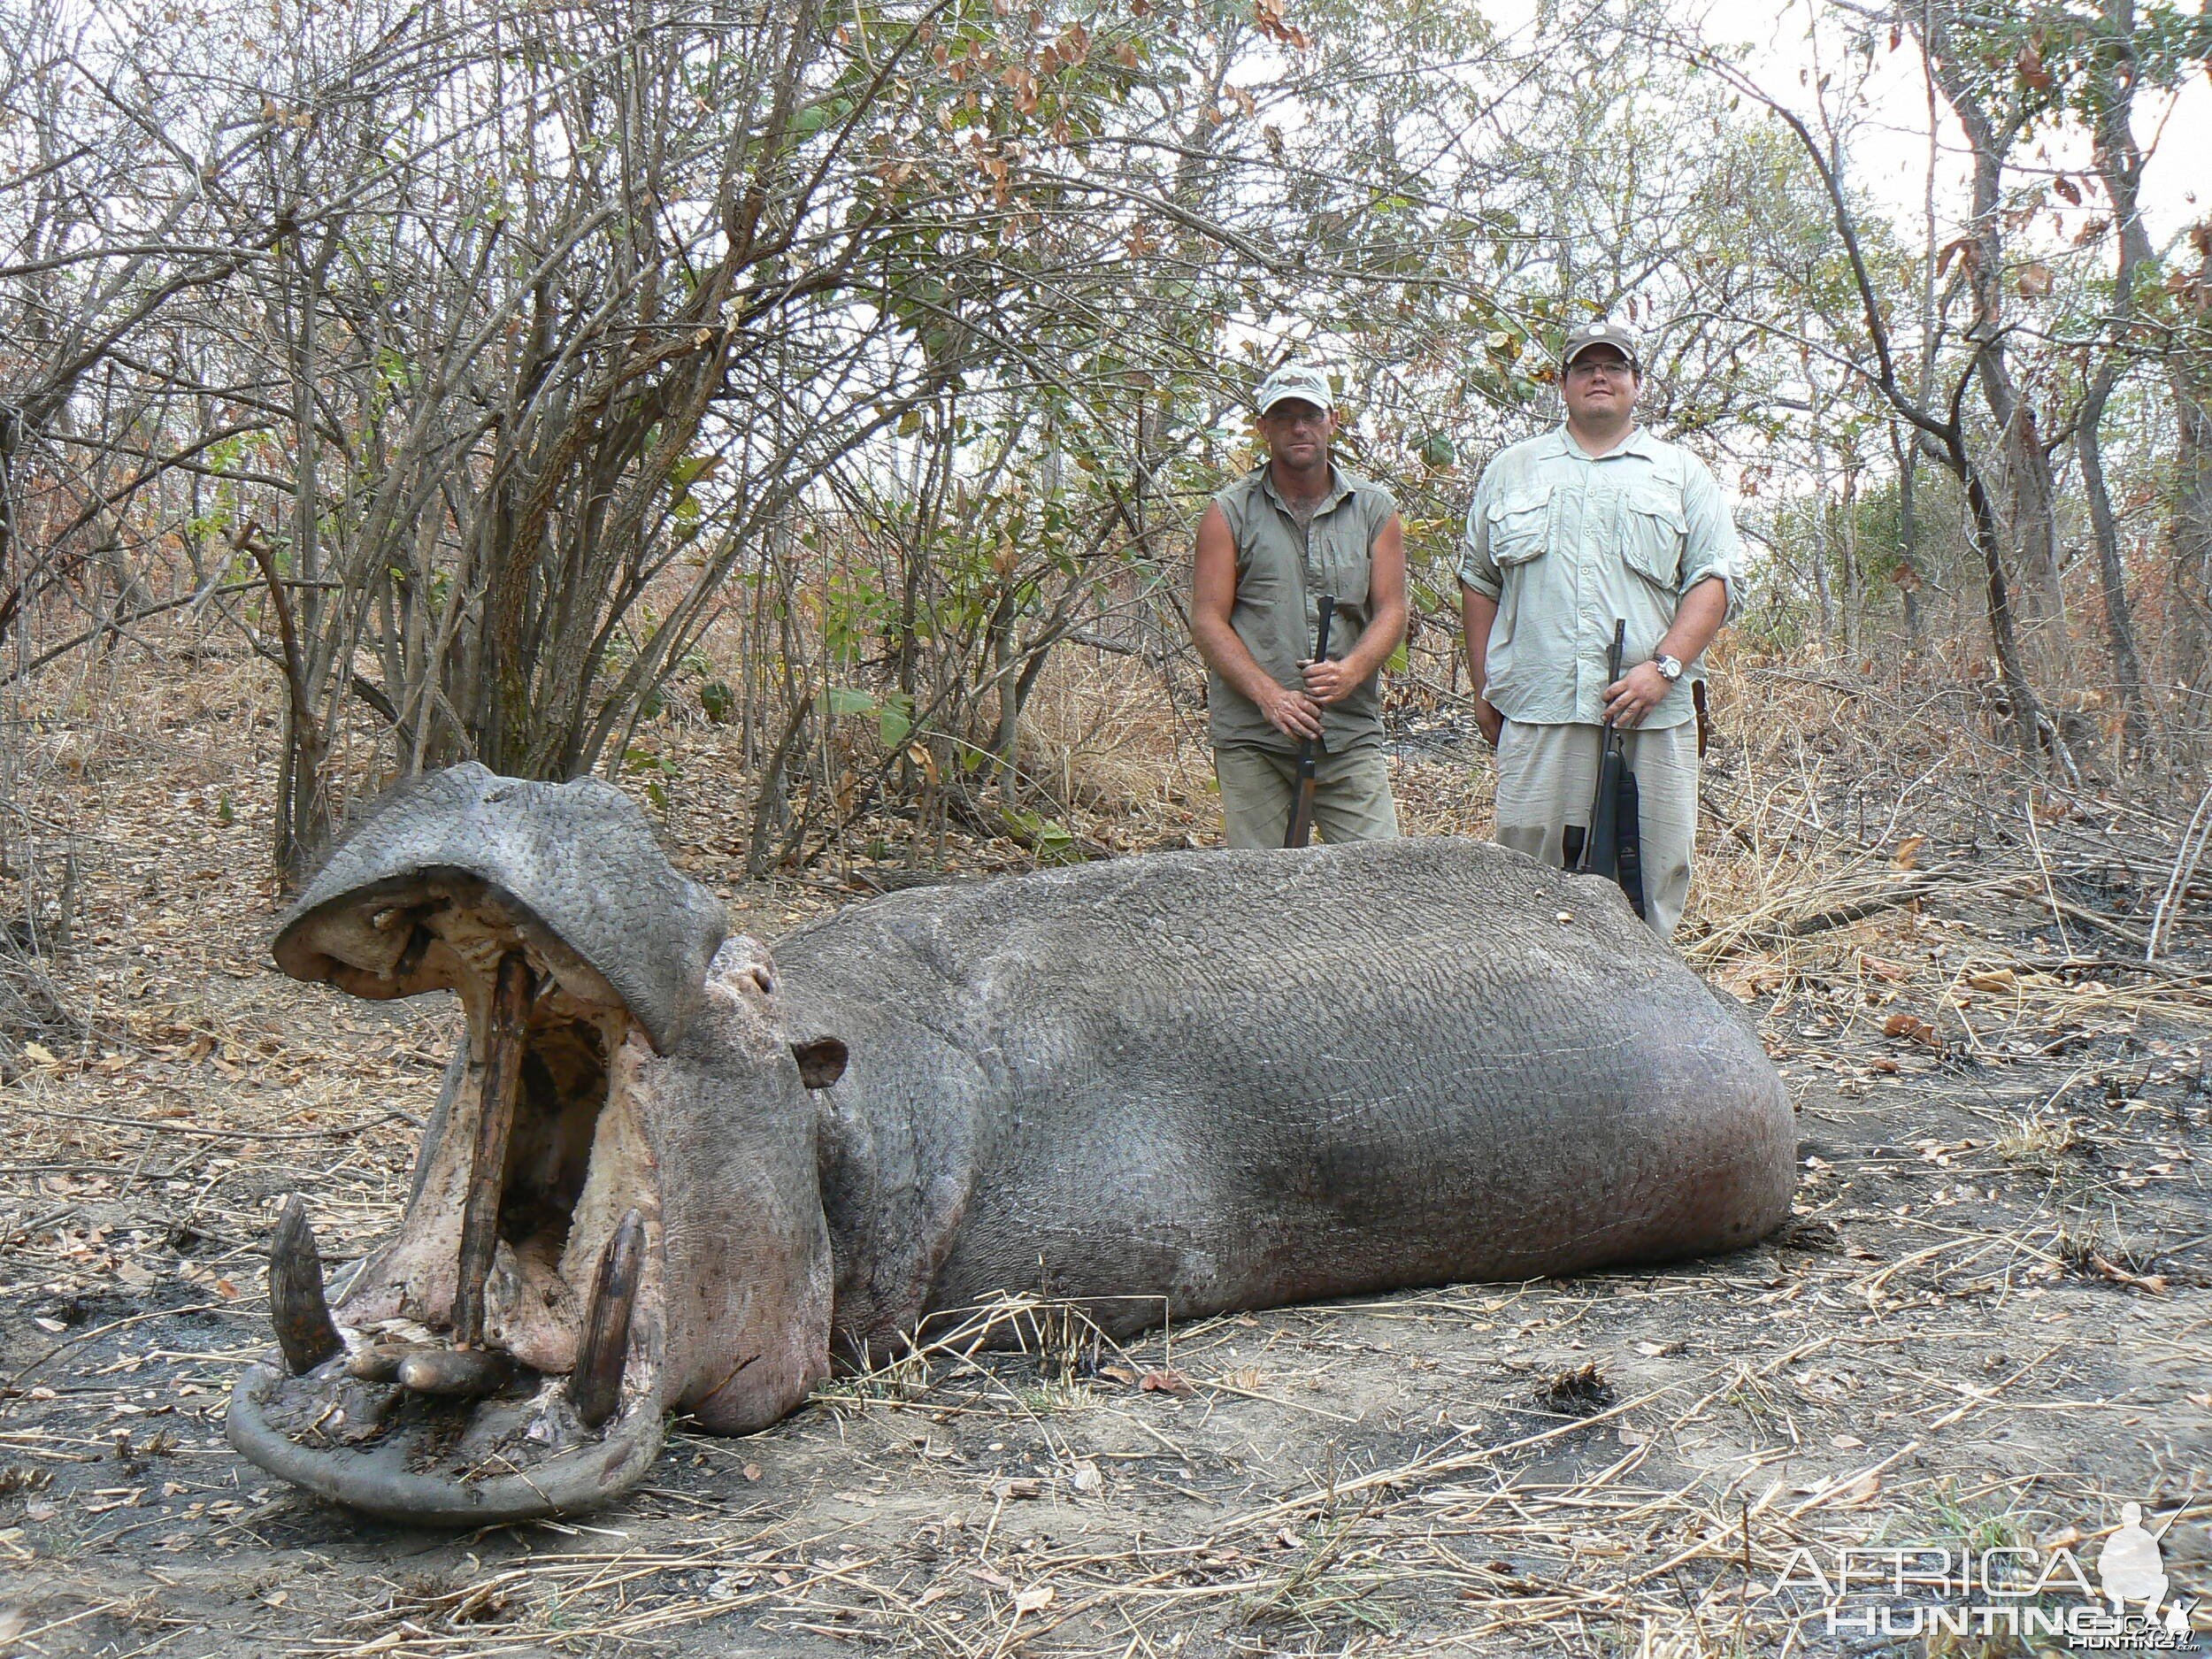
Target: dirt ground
[{"x": 1988, "y": 1325}]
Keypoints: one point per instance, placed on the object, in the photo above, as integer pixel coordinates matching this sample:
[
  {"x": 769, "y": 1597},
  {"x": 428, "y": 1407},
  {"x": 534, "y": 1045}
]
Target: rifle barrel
[{"x": 1300, "y": 829}]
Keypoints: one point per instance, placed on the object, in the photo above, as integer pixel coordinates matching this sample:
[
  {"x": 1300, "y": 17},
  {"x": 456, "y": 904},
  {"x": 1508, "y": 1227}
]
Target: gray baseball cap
[
  {"x": 1600, "y": 331},
  {"x": 1295, "y": 380}
]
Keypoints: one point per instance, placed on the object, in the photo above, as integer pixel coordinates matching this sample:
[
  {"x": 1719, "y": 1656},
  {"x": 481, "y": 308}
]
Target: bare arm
[
  {"x": 1697, "y": 624},
  {"x": 1213, "y": 596},
  {"x": 1333, "y": 682},
  {"x": 1478, "y": 613}
]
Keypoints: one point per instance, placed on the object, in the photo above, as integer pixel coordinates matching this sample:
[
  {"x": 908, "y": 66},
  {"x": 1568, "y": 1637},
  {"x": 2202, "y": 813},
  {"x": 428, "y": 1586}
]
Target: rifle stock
[{"x": 1301, "y": 830}]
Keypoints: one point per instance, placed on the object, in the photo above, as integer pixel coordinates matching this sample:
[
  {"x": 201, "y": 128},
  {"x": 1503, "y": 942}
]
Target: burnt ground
[{"x": 1989, "y": 1324}]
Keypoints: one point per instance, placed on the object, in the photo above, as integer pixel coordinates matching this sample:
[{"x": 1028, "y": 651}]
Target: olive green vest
[{"x": 1282, "y": 571}]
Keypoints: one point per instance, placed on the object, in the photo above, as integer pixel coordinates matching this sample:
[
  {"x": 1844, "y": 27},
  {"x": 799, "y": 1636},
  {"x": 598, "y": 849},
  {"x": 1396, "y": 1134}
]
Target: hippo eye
[{"x": 821, "y": 1061}]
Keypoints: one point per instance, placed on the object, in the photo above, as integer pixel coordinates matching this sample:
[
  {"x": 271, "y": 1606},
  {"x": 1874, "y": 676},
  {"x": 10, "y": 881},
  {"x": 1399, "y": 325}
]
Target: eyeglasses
[{"x": 1588, "y": 366}]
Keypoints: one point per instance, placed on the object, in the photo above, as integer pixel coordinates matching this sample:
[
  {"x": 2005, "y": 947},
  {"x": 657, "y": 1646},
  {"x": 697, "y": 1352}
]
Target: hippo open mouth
[
  {"x": 504, "y": 1355},
  {"x": 507, "y": 1352}
]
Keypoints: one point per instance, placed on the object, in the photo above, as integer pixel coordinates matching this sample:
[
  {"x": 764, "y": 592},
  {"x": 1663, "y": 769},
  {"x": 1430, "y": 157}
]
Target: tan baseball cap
[
  {"x": 1295, "y": 380},
  {"x": 1601, "y": 330}
]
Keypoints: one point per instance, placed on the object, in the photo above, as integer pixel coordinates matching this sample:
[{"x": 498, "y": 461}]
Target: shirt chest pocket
[
  {"x": 1340, "y": 557},
  {"x": 1520, "y": 527},
  {"x": 1652, "y": 532}
]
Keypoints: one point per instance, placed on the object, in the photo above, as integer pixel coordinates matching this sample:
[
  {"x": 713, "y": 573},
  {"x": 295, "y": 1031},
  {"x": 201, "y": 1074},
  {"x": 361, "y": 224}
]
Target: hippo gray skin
[{"x": 666, "y": 1175}]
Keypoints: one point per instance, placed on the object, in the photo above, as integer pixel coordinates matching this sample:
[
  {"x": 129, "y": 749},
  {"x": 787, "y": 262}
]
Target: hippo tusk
[
  {"x": 595, "y": 1387},
  {"x": 305, "y": 1332},
  {"x": 453, "y": 1373},
  {"x": 503, "y": 1039}
]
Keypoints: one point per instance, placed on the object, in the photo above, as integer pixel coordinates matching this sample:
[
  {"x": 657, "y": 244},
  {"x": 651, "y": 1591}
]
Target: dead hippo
[{"x": 668, "y": 1175}]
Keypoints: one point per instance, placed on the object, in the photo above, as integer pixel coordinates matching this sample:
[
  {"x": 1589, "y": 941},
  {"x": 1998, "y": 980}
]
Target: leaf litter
[{"x": 1988, "y": 1318}]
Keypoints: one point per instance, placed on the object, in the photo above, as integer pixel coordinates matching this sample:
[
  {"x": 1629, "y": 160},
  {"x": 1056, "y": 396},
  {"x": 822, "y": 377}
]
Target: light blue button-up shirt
[{"x": 1566, "y": 543}]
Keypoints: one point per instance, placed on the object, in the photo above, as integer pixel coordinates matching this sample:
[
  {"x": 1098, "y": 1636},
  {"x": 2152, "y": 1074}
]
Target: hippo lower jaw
[
  {"x": 506, "y": 1356},
  {"x": 439, "y": 1462}
]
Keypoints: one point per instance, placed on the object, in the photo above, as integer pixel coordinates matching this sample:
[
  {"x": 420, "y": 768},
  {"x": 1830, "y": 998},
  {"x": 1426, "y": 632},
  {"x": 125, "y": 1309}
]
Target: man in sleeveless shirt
[
  {"x": 1596, "y": 521},
  {"x": 1269, "y": 546}
]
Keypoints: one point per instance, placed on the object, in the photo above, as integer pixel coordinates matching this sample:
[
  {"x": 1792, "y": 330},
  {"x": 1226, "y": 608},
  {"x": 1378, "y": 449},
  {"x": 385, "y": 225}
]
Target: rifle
[
  {"x": 1614, "y": 844},
  {"x": 1300, "y": 829}
]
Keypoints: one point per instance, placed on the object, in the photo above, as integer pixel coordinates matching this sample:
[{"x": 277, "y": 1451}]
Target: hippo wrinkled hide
[{"x": 1162, "y": 1086}]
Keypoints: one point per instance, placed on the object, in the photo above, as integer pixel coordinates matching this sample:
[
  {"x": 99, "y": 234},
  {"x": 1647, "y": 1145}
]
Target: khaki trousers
[
  {"x": 1351, "y": 795},
  {"x": 1548, "y": 773}
]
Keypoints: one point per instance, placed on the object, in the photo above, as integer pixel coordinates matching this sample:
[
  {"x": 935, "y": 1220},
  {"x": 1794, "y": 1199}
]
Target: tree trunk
[
  {"x": 1908, "y": 577},
  {"x": 2189, "y": 532},
  {"x": 2120, "y": 164},
  {"x": 2031, "y": 724},
  {"x": 2127, "y": 664},
  {"x": 2031, "y": 513}
]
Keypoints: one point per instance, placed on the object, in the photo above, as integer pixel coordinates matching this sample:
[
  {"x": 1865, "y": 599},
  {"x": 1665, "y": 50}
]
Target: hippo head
[{"x": 616, "y": 1211}]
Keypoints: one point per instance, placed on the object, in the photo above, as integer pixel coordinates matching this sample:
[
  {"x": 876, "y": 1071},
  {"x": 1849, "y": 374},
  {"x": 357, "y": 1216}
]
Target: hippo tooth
[
  {"x": 457, "y": 1373},
  {"x": 595, "y": 1385},
  {"x": 504, "y": 1038},
  {"x": 380, "y": 1362},
  {"x": 305, "y": 1332}
]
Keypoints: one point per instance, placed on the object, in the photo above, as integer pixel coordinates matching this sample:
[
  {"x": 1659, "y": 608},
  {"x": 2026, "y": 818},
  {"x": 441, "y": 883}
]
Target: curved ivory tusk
[
  {"x": 305, "y": 1332},
  {"x": 595, "y": 1387}
]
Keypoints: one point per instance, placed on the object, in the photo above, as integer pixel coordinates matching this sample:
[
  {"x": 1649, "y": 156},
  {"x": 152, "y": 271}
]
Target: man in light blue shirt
[{"x": 1591, "y": 523}]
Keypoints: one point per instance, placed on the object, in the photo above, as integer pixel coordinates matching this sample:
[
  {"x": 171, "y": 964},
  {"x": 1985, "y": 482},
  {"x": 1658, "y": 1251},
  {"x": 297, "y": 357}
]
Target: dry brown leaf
[
  {"x": 1164, "y": 1382},
  {"x": 1913, "y": 1027},
  {"x": 2154, "y": 1283}
]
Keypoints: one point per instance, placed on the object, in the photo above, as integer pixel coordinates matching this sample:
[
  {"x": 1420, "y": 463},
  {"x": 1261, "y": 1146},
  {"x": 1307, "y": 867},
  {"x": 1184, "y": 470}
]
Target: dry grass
[{"x": 1990, "y": 1320}]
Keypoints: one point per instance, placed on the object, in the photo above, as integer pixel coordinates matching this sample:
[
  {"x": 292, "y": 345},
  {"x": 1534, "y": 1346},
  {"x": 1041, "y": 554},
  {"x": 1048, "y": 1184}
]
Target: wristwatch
[{"x": 1670, "y": 668}]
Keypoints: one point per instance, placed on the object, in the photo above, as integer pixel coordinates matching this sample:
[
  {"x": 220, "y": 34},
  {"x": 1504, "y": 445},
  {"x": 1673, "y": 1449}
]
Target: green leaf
[{"x": 1051, "y": 841}]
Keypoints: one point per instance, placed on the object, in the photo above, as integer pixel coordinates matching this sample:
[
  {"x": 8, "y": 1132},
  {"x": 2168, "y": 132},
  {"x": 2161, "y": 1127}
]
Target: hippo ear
[{"x": 821, "y": 1060}]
